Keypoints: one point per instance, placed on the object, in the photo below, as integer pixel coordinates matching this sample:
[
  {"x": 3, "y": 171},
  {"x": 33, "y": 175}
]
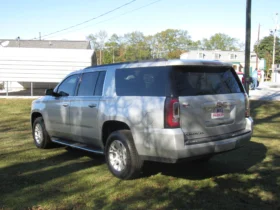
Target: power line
[
  {"x": 115, "y": 16},
  {"x": 106, "y": 13}
]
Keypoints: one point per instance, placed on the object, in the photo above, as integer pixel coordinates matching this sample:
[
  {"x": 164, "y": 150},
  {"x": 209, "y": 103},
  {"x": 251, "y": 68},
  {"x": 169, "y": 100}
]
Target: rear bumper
[
  {"x": 170, "y": 147},
  {"x": 214, "y": 147}
]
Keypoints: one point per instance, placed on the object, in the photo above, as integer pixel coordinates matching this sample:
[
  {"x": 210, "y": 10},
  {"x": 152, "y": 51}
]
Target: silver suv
[{"x": 166, "y": 111}]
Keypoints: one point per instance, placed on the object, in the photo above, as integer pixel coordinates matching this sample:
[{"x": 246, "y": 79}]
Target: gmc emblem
[{"x": 221, "y": 104}]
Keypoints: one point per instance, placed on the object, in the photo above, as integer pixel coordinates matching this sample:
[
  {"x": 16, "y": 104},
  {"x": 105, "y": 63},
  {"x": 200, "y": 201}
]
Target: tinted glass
[
  {"x": 99, "y": 84},
  {"x": 87, "y": 84},
  {"x": 67, "y": 87},
  {"x": 191, "y": 81},
  {"x": 142, "y": 81}
]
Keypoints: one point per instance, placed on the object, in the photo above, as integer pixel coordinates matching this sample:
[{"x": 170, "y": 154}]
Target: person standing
[{"x": 255, "y": 78}]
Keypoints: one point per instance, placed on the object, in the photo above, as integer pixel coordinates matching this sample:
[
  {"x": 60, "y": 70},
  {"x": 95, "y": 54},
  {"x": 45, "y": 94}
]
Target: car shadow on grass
[
  {"x": 240, "y": 179},
  {"x": 232, "y": 162}
]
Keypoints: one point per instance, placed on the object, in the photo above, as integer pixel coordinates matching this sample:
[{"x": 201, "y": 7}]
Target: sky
[{"x": 201, "y": 18}]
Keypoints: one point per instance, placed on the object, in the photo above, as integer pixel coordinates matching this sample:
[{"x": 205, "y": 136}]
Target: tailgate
[
  {"x": 212, "y": 102},
  {"x": 211, "y": 116}
]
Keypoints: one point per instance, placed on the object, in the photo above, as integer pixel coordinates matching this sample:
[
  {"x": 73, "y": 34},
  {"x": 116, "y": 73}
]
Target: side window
[
  {"x": 99, "y": 84},
  {"x": 67, "y": 87},
  {"x": 147, "y": 81},
  {"x": 87, "y": 84}
]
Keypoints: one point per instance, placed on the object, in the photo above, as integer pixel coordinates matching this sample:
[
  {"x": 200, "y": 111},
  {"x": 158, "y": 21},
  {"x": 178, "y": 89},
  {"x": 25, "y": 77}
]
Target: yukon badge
[{"x": 194, "y": 133}]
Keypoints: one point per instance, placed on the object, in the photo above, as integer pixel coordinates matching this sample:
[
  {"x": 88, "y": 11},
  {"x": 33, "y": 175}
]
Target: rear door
[{"x": 212, "y": 102}]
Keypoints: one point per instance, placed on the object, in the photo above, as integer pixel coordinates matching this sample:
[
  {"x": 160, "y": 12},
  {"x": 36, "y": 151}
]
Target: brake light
[
  {"x": 247, "y": 105},
  {"x": 243, "y": 80},
  {"x": 172, "y": 113}
]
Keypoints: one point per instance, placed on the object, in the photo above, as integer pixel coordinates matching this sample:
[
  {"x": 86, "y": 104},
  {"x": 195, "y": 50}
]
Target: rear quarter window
[
  {"x": 148, "y": 81},
  {"x": 194, "y": 80}
]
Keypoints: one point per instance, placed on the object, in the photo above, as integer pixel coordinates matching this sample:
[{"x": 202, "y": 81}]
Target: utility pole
[
  {"x": 39, "y": 35},
  {"x": 274, "y": 76},
  {"x": 100, "y": 55},
  {"x": 113, "y": 54},
  {"x": 257, "y": 58},
  {"x": 247, "y": 44},
  {"x": 18, "y": 40}
]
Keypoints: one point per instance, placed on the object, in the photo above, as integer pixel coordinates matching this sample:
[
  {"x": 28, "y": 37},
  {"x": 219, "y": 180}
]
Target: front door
[{"x": 57, "y": 109}]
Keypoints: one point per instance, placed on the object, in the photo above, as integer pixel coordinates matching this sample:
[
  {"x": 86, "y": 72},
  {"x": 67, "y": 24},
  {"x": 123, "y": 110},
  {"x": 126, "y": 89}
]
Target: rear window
[
  {"x": 201, "y": 80},
  {"x": 148, "y": 81}
]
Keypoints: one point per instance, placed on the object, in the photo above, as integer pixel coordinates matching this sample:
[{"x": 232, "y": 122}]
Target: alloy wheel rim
[
  {"x": 117, "y": 155},
  {"x": 38, "y": 133}
]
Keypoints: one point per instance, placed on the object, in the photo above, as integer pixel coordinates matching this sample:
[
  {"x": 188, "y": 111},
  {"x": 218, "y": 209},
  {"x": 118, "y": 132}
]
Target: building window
[
  {"x": 253, "y": 56},
  {"x": 217, "y": 56},
  {"x": 201, "y": 55},
  {"x": 232, "y": 56}
]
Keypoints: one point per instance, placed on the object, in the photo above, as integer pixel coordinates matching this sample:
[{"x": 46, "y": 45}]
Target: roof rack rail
[
  {"x": 128, "y": 62},
  {"x": 151, "y": 60}
]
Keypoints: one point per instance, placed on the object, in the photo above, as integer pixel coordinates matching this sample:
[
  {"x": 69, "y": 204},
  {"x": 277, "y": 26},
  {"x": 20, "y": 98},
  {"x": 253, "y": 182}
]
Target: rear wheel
[
  {"x": 40, "y": 135},
  {"x": 121, "y": 156}
]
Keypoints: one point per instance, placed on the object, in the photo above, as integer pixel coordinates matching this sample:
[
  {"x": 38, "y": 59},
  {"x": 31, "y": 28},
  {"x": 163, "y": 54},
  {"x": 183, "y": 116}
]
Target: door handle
[
  {"x": 92, "y": 105},
  {"x": 65, "y": 105}
]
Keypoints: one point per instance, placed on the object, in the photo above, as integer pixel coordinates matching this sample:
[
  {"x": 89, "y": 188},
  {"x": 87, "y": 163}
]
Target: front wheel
[
  {"x": 121, "y": 156},
  {"x": 40, "y": 135}
]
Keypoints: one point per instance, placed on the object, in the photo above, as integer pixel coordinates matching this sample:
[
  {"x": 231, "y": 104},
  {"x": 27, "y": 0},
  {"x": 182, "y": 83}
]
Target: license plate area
[{"x": 218, "y": 113}]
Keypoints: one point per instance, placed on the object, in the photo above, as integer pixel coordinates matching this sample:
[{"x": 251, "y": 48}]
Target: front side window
[{"x": 67, "y": 87}]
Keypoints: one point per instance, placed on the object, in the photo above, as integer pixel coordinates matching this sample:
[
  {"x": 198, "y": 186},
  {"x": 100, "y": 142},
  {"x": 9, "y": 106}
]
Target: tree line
[
  {"x": 264, "y": 49},
  {"x": 170, "y": 44}
]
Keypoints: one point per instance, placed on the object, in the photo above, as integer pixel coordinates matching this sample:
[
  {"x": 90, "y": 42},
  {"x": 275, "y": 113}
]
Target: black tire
[
  {"x": 133, "y": 164},
  {"x": 44, "y": 141}
]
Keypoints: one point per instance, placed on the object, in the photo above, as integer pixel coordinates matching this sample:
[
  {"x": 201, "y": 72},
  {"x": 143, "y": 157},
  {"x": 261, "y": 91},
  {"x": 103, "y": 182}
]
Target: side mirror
[
  {"x": 49, "y": 92},
  {"x": 62, "y": 93}
]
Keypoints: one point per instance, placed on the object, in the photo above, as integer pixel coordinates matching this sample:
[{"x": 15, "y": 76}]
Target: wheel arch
[
  {"x": 35, "y": 115},
  {"x": 111, "y": 126}
]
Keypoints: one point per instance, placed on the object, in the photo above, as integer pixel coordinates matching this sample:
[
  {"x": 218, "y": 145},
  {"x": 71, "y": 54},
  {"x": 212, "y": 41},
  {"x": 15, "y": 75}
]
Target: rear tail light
[
  {"x": 172, "y": 113},
  {"x": 243, "y": 80},
  {"x": 247, "y": 105}
]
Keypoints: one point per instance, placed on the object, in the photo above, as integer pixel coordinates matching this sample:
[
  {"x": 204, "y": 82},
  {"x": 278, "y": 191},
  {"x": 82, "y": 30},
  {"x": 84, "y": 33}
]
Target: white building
[
  {"x": 276, "y": 73},
  {"x": 41, "y": 63},
  {"x": 237, "y": 58}
]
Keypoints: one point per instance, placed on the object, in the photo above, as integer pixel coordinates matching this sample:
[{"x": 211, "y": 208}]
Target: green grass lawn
[{"x": 30, "y": 178}]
